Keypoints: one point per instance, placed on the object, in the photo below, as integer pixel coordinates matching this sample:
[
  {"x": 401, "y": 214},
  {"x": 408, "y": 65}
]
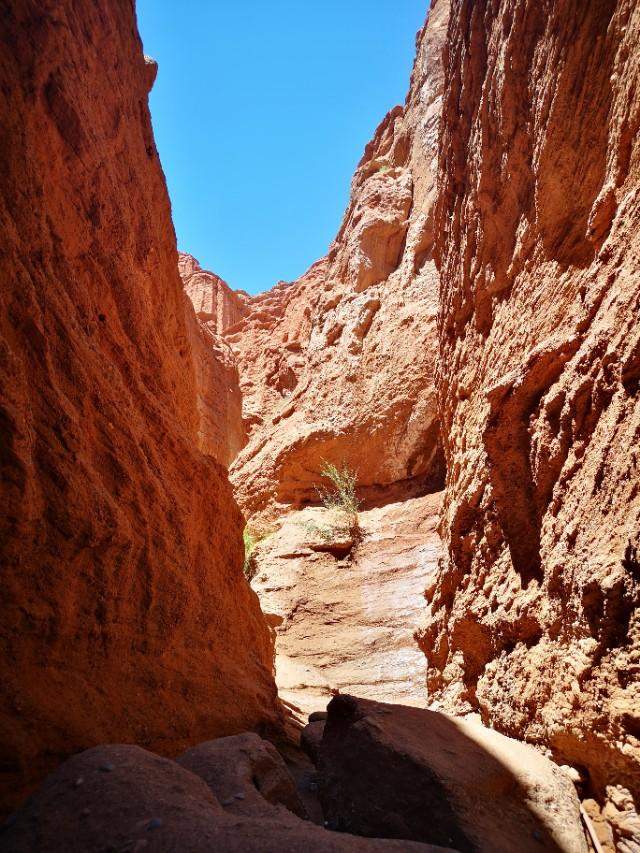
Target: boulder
[
  {"x": 246, "y": 774},
  {"x": 316, "y": 716},
  {"x": 123, "y": 798},
  {"x": 412, "y": 773},
  {"x": 311, "y": 738}
]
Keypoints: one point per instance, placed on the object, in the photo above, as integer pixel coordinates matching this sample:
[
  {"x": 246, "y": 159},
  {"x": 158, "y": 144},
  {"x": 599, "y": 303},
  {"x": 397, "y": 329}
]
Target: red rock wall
[
  {"x": 124, "y": 613},
  {"x": 214, "y": 302},
  {"x": 221, "y": 432},
  {"x": 533, "y": 619}
]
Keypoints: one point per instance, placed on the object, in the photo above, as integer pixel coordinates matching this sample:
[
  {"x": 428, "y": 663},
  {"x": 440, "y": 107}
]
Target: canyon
[{"x": 469, "y": 348}]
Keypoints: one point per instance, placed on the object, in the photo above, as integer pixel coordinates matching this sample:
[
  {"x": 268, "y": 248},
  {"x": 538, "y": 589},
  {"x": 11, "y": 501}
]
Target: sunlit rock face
[
  {"x": 345, "y": 608},
  {"x": 533, "y": 619},
  {"x": 214, "y": 302},
  {"x": 125, "y": 616},
  {"x": 339, "y": 365},
  {"x": 221, "y": 432}
]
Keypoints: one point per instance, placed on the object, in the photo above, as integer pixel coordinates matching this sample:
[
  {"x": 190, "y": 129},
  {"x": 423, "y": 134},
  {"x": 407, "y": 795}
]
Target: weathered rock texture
[
  {"x": 221, "y": 432},
  {"x": 533, "y": 619},
  {"x": 214, "y": 302},
  {"x": 339, "y": 365},
  {"x": 415, "y": 774},
  {"x": 345, "y": 612},
  {"x": 246, "y": 774},
  {"x": 125, "y": 615}
]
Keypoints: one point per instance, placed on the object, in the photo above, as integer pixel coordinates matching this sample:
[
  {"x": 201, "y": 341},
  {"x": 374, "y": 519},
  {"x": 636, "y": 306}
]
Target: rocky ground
[{"x": 383, "y": 772}]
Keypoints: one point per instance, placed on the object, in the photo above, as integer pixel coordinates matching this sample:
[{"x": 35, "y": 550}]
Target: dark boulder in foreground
[
  {"x": 400, "y": 772},
  {"x": 246, "y": 774},
  {"x": 123, "y": 798}
]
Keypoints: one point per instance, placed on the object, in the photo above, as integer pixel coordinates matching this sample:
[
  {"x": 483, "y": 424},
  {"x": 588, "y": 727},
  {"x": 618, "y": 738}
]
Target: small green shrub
[
  {"x": 342, "y": 492},
  {"x": 251, "y": 538}
]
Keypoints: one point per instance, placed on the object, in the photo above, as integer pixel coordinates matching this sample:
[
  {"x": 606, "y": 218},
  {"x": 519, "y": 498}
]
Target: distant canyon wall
[
  {"x": 483, "y": 291},
  {"x": 221, "y": 431}
]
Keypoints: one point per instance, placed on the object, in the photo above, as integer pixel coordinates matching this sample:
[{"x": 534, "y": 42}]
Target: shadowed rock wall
[
  {"x": 124, "y": 613},
  {"x": 533, "y": 619}
]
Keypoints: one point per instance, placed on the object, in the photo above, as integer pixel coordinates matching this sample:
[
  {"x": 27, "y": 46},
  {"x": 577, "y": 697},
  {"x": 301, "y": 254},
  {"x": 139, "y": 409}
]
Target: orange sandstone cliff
[
  {"x": 339, "y": 365},
  {"x": 125, "y": 616},
  {"x": 476, "y": 319},
  {"x": 221, "y": 431},
  {"x": 525, "y": 244},
  {"x": 533, "y": 619}
]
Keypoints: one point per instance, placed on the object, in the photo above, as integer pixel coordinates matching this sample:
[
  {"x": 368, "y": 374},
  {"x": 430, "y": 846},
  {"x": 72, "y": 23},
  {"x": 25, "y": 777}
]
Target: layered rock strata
[
  {"x": 125, "y": 616},
  {"x": 533, "y": 619},
  {"x": 345, "y": 610}
]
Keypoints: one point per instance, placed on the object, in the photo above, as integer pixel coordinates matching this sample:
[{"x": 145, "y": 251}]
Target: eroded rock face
[
  {"x": 221, "y": 432},
  {"x": 339, "y": 365},
  {"x": 125, "y": 615},
  {"x": 533, "y": 619},
  {"x": 344, "y": 610},
  {"x": 214, "y": 302}
]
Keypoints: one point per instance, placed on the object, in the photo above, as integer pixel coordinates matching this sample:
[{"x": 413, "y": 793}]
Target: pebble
[
  {"x": 228, "y": 802},
  {"x": 78, "y": 782},
  {"x": 154, "y": 823},
  {"x": 107, "y": 767},
  {"x": 239, "y": 796}
]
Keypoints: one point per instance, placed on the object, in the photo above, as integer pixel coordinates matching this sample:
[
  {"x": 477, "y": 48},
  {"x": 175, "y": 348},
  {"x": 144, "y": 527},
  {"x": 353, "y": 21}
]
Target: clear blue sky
[{"x": 261, "y": 111}]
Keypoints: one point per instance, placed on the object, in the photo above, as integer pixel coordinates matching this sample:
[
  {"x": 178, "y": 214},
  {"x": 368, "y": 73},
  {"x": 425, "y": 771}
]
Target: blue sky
[{"x": 261, "y": 111}]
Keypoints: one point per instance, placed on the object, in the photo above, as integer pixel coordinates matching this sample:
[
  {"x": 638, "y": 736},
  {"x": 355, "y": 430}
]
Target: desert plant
[
  {"x": 326, "y": 534},
  {"x": 342, "y": 492},
  {"x": 251, "y": 538}
]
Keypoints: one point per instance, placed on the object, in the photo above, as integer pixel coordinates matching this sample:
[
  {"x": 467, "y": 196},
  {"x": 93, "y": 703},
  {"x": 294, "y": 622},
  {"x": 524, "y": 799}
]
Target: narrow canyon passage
[{"x": 463, "y": 645}]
